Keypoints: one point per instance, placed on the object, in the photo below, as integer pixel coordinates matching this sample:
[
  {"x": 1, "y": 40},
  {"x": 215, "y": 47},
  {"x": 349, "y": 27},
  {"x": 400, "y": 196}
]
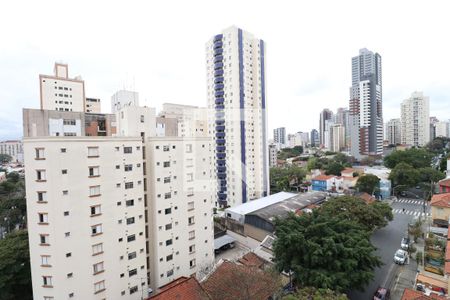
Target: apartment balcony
[
  {"x": 220, "y": 122},
  {"x": 222, "y": 196},
  {"x": 219, "y": 86},
  {"x": 218, "y": 65},
  {"x": 219, "y": 93},
  {"x": 220, "y": 148},
  {"x": 218, "y": 73},
  {"x": 221, "y": 155},
  {"x": 218, "y": 58},
  {"x": 218, "y": 37},
  {"x": 218, "y": 51},
  {"x": 220, "y": 127},
  {"x": 220, "y": 115},
  {"x": 220, "y": 106},
  {"x": 221, "y": 175},
  {"x": 218, "y": 80},
  {"x": 222, "y": 169},
  {"x": 219, "y": 100},
  {"x": 220, "y": 134}
]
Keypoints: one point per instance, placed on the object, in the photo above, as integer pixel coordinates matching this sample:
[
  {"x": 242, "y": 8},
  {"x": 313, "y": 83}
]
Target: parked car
[
  {"x": 382, "y": 294},
  {"x": 405, "y": 243},
  {"x": 400, "y": 257}
]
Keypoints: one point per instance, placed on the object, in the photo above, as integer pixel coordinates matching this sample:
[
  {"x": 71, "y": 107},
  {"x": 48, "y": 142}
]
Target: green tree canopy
[
  {"x": 404, "y": 174},
  {"x": 5, "y": 158},
  {"x": 418, "y": 158},
  {"x": 15, "y": 273},
  {"x": 290, "y": 152},
  {"x": 370, "y": 216},
  {"x": 323, "y": 252},
  {"x": 429, "y": 174},
  {"x": 368, "y": 183},
  {"x": 315, "y": 294},
  {"x": 286, "y": 179},
  {"x": 334, "y": 168}
]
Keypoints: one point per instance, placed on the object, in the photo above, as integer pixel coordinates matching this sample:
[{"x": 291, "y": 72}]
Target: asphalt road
[{"x": 387, "y": 240}]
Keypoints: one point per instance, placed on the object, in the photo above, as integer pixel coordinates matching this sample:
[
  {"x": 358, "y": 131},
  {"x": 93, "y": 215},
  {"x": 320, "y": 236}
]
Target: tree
[
  {"x": 404, "y": 174},
  {"x": 15, "y": 272},
  {"x": 368, "y": 183},
  {"x": 429, "y": 174},
  {"x": 12, "y": 213},
  {"x": 370, "y": 216},
  {"x": 286, "y": 179},
  {"x": 418, "y": 158},
  {"x": 343, "y": 159},
  {"x": 334, "y": 168},
  {"x": 443, "y": 164},
  {"x": 310, "y": 293},
  {"x": 324, "y": 252},
  {"x": 5, "y": 158}
]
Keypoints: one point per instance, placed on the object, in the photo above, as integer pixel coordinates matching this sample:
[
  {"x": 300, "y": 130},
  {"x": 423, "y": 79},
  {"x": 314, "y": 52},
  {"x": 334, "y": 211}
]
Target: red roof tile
[
  {"x": 232, "y": 281},
  {"x": 445, "y": 182},
  {"x": 252, "y": 260},
  {"x": 366, "y": 197},
  {"x": 346, "y": 170},
  {"x": 441, "y": 200},
  {"x": 323, "y": 177},
  {"x": 409, "y": 294},
  {"x": 182, "y": 288}
]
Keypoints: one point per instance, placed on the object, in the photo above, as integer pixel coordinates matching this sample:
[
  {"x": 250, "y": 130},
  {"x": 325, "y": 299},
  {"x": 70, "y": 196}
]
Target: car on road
[
  {"x": 405, "y": 243},
  {"x": 400, "y": 257},
  {"x": 382, "y": 294}
]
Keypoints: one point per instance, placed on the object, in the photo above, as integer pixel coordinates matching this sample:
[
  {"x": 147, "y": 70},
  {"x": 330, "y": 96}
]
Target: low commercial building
[
  {"x": 440, "y": 209},
  {"x": 327, "y": 183}
]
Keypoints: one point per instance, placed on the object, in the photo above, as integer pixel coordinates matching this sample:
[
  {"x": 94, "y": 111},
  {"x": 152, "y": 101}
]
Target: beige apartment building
[{"x": 86, "y": 217}]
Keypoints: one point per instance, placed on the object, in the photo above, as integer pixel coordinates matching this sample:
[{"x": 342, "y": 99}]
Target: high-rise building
[
  {"x": 327, "y": 134},
  {"x": 85, "y": 211},
  {"x": 279, "y": 136},
  {"x": 124, "y": 98},
  {"x": 433, "y": 122},
  {"x": 273, "y": 155},
  {"x": 93, "y": 105},
  {"x": 315, "y": 141},
  {"x": 366, "y": 111},
  {"x": 415, "y": 114},
  {"x": 12, "y": 148},
  {"x": 441, "y": 129},
  {"x": 59, "y": 92},
  {"x": 393, "y": 131},
  {"x": 337, "y": 137},
  {"x": 236, "y": 91},
  {"x": 325, "y": 115}
]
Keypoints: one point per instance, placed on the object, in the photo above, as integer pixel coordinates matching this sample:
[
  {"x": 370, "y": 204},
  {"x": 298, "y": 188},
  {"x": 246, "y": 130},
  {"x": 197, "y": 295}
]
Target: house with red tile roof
[
  {"x": 409, "y": 294},
  {"x": 440, "y": 209},
  {"x": 186, "y": 288},
  {"x": 327, "y": 183}
]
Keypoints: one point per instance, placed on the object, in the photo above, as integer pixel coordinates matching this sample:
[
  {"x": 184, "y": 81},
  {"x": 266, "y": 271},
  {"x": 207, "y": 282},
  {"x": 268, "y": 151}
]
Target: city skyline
[{"x": 317, "y": 77}]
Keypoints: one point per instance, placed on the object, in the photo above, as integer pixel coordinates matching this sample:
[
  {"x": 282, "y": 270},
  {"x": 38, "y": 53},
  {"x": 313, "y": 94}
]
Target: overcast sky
[{"x": 158, "y": 49}]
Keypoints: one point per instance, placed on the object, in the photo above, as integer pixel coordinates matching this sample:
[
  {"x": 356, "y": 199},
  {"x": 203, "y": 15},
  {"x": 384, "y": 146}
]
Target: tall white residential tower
[{"x": 415, "y": 113}]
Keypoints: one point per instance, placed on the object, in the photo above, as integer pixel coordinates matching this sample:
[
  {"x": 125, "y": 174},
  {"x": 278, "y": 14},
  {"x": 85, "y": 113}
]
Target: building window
[
  {"x": 191, "y": 221},
  {"x": 96, "y": 229},
  {"x": 40, "y": 175},
  {"x": 132, "y": 272},
  {"x": 131, "y": 238},
  {"x": 94, "y": 171},
  {"x": 169, "y": 242},
  {"x": 39, "y": 153},
  {"x": 93, "y": 152},
  {"x": 127, "y": 149},
  {"x": 168, "y": 211},
  {"x": 44, "y": 239},
  {"x": 42, "y": 196},
  {"x": 191, "y": 248},
  {"x": 95, "y": 210},
  {"x": 45, "y": 260},
  {"x": 128, "y": 168},
  {"x": 128, "y": 185},
  {"x": 166, "y": 164},
  {"x": 68, "y": 254},
  {"x": 65, "y": 192},
  {"x": 133, "y": 289},
  {"x": 47, "y": 281},
  {"x": 48, "y": 298},
  {"x": 99, "y": 286},
  {"x": 64, "y": 171},
  {"x": 98, "y": 268},
  {"x": 192, "y": 234},
  {"x": 188, "y": 148},
  {"x": 190, "y": 192},
  {"x": 191, "y": 205},
  {"x": 97, "y": 249},
  {"x": 192, "y": 263},
  {"x": 69, "y": 122},
  {"x": 94, "y": 191},
  {"x": 142, "y": 118},
  {"x": 169, "y": 273},
  {"x": 190, "y": 177},
  {"x": 167, "y": 179},
  {"x": 131, "y": 255},
  {"x": 169, "y": 226},
  {"x": 167, "y": 195},
  {"x": 166, "y": 148},
  {"x": 130, "y": 220},
  {"x": 43, "y": 218},
  {"x": 130, "y": 202}
]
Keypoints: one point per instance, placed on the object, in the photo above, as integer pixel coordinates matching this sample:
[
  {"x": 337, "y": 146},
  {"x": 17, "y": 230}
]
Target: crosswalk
[
  {"x": 410, "y": 212},
  {"x": 409, "y": 201}
]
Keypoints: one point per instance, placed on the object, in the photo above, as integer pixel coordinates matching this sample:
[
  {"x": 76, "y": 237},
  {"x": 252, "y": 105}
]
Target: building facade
[
  {"x": 180, "y": 195},
  {"x": 415, "y": 114},
  {"x": 236, "y": 91},
  {"x": 325, "y": 115},
  {"x": 59, "y": 92},
  {"x": 366, "y": 111},
  {"x": 279, "y": 136},
  {"x": 93, "y": 105},
  {"x": 337, "y": 137},
  {"x": 13, "y": 148},
  {"x": 441, "y": 129},
  {"x": 393, "y": 131},
  {"x": 123, "y": 98},
  {"x": 87, "y": 240},
  {"x": 315, "y": 141},
  {"x": 273, "y": 155}
]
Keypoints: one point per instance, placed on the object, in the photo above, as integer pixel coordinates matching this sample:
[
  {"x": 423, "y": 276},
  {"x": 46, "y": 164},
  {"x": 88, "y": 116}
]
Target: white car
[
  {"x": 405, "y": 243},
  {"x": 400, "y": 257}
]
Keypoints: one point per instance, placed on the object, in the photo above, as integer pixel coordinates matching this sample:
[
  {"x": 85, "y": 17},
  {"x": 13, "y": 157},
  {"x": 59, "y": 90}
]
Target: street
[{"x": 387, "y": 241}]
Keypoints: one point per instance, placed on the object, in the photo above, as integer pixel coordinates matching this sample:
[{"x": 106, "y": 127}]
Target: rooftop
[
  {"x": 441, "y": 200},
  {"x": 445, "y": 182},
  {"x": 323, "y": 177},
  {"x": 182, "y": 288},
  {"x": 292, "y": 204},
  {"x": 254, "y": 205},
  {"x": 409, "y": 294}
]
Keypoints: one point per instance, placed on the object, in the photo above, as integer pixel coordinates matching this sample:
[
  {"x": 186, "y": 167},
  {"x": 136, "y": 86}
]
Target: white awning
[{"x": 222, "y": 241}]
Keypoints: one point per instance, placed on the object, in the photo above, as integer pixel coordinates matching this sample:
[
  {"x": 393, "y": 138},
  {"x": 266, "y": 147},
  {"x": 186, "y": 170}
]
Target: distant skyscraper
[
  {"x": 366, "y": 115},
  {"x": 433, "y": 122},
  {"x": 272, "y": 155},
  {"x": 337, "y": 137},
  {"x": 393, "y": 131},
  {"x": 279, "y": 135},
  {"x": 415, "y": 112},
  {"x": 315, "y": 142},
  {"x": 325, "y": 115},
  {"x": 236, "y": 89},
  {"x": 441, "y": 129}
]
